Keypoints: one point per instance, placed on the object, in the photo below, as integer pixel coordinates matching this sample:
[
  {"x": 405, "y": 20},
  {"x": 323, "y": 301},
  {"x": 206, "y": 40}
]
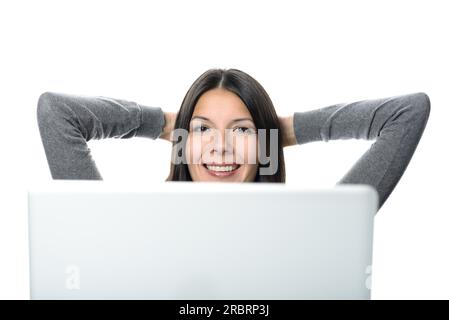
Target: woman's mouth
[{"x": 221, "y": 170}]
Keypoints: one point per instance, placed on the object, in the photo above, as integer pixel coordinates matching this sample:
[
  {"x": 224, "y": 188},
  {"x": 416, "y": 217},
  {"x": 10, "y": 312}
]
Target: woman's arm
[
  {"x": 396, "y": 123},
  {"x": 66, "y": 122}
]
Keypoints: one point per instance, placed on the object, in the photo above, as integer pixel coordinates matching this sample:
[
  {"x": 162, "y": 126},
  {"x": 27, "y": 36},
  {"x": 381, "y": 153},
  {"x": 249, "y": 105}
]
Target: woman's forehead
[{"x": 220, "y": 104}]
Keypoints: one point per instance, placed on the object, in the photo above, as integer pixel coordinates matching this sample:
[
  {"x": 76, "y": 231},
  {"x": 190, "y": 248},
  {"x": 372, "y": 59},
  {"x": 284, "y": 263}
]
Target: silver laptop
[{"x": 201, "y": 240}]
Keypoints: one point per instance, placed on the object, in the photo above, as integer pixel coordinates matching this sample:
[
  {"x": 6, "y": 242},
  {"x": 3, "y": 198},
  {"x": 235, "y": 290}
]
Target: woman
[{"x": 217, "y": 130}]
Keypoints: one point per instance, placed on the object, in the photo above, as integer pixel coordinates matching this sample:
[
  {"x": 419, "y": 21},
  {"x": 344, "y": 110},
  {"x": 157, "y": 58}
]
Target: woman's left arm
[{"x": 396, "y": 123}]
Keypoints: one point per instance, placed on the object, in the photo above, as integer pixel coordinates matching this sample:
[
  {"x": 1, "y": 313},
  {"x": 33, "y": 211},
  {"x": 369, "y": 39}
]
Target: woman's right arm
[{"x": 66, "y": 122}]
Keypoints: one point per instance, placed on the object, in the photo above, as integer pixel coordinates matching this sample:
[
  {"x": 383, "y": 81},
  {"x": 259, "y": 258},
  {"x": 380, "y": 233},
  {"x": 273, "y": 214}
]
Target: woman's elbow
[
  {"x": 45, "y": 105},
  {"x": 422, "y": 104}
]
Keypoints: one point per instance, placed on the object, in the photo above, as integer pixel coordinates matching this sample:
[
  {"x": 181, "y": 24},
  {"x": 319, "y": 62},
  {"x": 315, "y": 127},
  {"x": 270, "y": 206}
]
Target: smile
[{"x": 221, "y": 170}]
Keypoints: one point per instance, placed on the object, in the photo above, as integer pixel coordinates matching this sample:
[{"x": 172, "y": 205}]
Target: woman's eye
[
  {"x": 200, "y": 128},
  {"x": 244, "y": 130}
]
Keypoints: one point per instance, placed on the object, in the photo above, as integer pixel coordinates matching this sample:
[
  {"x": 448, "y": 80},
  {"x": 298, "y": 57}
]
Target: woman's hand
[
  {"x": 288, "y": 132},
  {"x": 170, "y": 118}
]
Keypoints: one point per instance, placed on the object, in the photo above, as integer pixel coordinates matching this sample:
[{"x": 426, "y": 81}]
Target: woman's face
[{"x": 222, "y": 140}]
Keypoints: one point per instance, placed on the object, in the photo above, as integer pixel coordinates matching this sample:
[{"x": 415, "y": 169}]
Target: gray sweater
[{"x": 66, "y": 122}]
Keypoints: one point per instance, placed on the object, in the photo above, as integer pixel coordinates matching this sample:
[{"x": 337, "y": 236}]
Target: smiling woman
[
  {"x": 227, "y": 130},
  {"x": 214, "y": 158},
  {"x": 225, "y": 111}
]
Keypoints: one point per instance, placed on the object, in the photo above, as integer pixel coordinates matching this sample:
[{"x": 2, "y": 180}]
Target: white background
[{"x": 306, "y": 55}]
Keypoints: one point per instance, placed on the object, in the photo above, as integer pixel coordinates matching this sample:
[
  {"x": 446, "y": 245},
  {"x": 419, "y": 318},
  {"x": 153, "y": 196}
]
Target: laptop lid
[{"x": 202, "y": 240}]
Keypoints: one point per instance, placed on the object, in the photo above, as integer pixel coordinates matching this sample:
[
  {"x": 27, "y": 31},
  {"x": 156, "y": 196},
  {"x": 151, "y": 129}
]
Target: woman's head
[{"x": 227, "y": 130}]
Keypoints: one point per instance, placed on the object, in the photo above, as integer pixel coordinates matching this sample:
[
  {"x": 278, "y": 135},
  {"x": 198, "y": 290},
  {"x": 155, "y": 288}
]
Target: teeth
[{"x": 221, "y": 168}]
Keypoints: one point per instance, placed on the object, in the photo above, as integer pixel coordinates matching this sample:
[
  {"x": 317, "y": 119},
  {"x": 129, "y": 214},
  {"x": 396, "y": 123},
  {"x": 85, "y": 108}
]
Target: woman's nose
[{"x": 223, "y": 142}]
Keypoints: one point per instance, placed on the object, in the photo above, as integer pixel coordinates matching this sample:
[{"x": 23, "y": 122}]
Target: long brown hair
[{"x": 256, "y": 100}]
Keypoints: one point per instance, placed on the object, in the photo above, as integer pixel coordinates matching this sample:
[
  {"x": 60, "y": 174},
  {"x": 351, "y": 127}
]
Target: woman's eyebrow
[{"x": 234, "y": 120}]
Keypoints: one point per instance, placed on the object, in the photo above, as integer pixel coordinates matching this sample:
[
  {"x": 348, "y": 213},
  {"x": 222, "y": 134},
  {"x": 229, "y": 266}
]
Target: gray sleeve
[
  {"x": 66, "y": 122},
  {"x": 395, "y": 123}
]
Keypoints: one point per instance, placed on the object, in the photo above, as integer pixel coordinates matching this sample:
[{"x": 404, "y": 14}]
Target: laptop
[{"x": 200, "y": 241}]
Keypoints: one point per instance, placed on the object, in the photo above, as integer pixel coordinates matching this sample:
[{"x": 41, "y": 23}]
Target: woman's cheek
[
  {"x": 245, "y": 150},
  {"x": 251, "y": 150},
  {"x": 193, "y": 149}
]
